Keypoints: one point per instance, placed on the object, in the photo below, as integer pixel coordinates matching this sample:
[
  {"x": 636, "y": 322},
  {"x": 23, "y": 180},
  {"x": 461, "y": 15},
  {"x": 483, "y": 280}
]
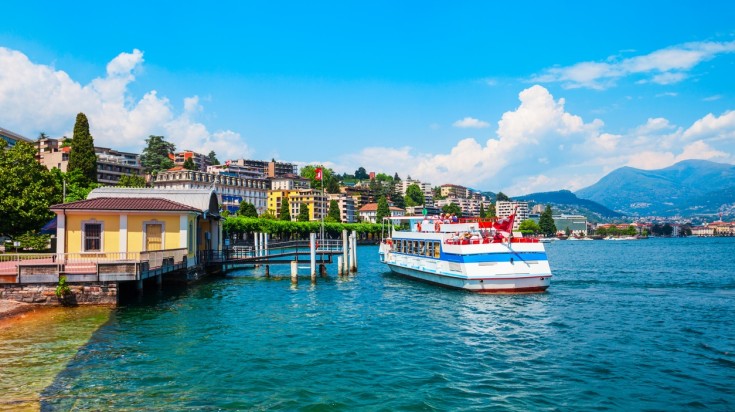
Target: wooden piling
[{"x": 294, "y": 272}]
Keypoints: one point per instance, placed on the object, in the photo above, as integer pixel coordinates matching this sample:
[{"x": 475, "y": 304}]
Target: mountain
[
  {"x": 564, "y": 201},
  {"x": 687, "y": 188}
]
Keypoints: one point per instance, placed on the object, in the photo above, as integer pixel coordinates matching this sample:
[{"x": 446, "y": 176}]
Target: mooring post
[
  {"x": 256, "y": 244},
  {"x": 265, "y": 236},
  {"x": 294, "y": 272},
  {"x": 353, "y": 250},
  {"x": 159, "y": 281},
  {"x": 340, "y": 268},
  {"x": 322, "y": 270},
  {"x": 312, "y": 254},
  {"x": 345, "y": 249}
]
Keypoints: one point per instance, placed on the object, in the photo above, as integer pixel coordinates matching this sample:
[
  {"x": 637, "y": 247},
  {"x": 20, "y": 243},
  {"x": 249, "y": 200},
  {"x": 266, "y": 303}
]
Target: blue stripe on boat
[{"x": 493, "y": 257}]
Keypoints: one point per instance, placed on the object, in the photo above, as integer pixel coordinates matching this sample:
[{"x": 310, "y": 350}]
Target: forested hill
[{"x": 564, "y": 201}]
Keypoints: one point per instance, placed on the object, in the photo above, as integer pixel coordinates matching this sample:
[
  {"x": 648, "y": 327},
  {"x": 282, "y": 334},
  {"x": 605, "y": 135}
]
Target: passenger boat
[{"x": 472, "y": 254}]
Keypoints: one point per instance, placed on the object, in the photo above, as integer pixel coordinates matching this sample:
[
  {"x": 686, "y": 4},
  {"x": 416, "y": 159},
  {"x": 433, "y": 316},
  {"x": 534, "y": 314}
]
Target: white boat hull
[{"x": 496, "y": 284}]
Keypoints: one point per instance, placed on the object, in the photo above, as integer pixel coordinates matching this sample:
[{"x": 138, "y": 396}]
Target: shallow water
[{"x": 625, "y": 325}]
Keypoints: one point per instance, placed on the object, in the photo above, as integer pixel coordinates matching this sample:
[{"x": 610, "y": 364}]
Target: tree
[
  {"x": 329, "y": 180},
  {"x": 396, "y": 178},
  {"x": 667, "y": 230},
  {"x": 82, "y": 156},
  {"x": 546, "y": 222},
  {"x": 284, "y": 213},
  {"x": 213, "y": 158},
  {"x": 490, "y": 212},
  {"x": 303, "y": 213},
  {"x": 27, "y": 189},
  {"x": 189, "y": 164},
  {"x": 361, "y": 174},
  {"x": 528, "y": 227},
  {"x": 131, "y": 181},
  {"x": 383, "y": 210},
  {"x": 502, "y": 197},
  {"x": 414, "y": 195},
  {"x": 452, "y": 209},
  {"x": 247, "y": 210},
  {"x": 333, "y": 215},
  {"x": 77, "y": 186},
  {"x": 42, "y": 136},
  {"x": 155, "y": 157},
  {"x": 482, "y": 210}
]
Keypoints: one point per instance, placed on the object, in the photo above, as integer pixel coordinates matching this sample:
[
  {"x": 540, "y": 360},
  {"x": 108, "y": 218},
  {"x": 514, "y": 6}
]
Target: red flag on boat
[
  {"x": 505, "y": 224},
  {"x": 318, "y": 173}
]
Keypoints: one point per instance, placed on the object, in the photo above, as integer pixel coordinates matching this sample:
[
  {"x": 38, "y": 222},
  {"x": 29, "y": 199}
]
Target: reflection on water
[{"x": 36, "y": 346}]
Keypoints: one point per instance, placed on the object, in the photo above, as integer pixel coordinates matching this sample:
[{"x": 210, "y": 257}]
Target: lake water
[{"x": 628, "y": 325}]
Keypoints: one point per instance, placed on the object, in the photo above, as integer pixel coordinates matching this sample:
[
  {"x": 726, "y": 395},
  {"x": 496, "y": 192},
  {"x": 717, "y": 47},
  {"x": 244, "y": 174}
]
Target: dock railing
[{"x": 87, "y": 266}]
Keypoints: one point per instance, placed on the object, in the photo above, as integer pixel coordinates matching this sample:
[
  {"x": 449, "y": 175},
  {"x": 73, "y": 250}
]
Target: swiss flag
[
  {"x": 505, "y": 224},
  {"x": 318, "y": 173}
]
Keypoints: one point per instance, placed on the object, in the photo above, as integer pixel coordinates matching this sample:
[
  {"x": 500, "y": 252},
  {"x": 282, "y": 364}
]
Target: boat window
[
  {"x": 429, "y": 248},
  {"x": 422, "y": 247},
  {"x": 415, "y": 247},
  {"x": 437, "y": 249}
]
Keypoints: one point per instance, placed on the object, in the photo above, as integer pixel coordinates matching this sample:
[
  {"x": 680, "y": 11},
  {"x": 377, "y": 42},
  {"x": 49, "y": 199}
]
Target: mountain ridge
[{"x": 687, "y": 188}]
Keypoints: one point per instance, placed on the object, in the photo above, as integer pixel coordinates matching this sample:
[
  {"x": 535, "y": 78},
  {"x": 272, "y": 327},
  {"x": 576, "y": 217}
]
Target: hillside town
[{"x": 271, "y": 186}]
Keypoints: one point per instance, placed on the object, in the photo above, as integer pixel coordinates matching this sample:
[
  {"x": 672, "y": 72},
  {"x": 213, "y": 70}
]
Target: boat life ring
[
  {"x": 389, "y": 242},
  {"x": 437, "y": 226}
]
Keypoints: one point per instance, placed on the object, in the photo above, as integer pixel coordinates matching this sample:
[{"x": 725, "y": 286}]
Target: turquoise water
[{"x": 644, "y": 325}]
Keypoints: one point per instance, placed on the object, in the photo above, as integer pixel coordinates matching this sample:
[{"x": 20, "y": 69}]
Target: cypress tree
[
  {"x": 303, "y": 213},
  {"x": 82, "y": 156},
  {"x": 546, "y": 222},
  {"x": 333, "y": 214},
  {"x": 383, "y": 210},
  {"x": 284, "y": 213}
]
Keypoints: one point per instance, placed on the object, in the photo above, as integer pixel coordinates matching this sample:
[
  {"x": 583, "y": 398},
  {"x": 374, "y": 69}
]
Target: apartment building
[
  {"x": 314, "y": 199},
  {"x": 506, "y": 208},
  {"x": 12, "y": 138},
  {"x": 230, "y": 190},
  {"x": 111, "y": 164},
  {"x": 346, "y": 205}
]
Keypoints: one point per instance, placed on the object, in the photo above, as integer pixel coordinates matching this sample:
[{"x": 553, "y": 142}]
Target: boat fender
[
  {"x": 437, "y": 227},
  {"x": 511, "y": 261},
  {"x": 418, "y": 227}
]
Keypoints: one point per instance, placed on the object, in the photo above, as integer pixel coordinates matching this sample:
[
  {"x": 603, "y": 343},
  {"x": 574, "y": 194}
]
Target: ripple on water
[{"x": 610, "y": 334}]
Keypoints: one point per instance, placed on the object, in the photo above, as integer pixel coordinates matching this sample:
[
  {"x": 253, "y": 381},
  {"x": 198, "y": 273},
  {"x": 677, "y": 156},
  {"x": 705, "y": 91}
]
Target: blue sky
[{"x": 520, "y": 98}]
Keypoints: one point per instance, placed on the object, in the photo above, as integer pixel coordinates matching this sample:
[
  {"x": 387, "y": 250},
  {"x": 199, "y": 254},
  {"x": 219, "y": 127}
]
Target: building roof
[
  {"x": 203, "y": 200},
  {"x": 373, "y": 207},
  {"x": 133, "y": 203}
]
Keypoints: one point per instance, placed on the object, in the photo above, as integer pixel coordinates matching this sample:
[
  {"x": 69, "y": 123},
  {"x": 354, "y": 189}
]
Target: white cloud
[
  {"x": 470, "y": 122},
  {"x": 665, "y": 66},
  {"x": 711, "y": 126},
  {"x": 539, "y": 146},
  {"x": 712, "y": 98},
  {"x": 36, "y": 97}
]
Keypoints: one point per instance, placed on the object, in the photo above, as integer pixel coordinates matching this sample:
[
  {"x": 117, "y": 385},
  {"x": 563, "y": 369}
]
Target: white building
[
  {"x": 369, "y": 212},
  {"x": 230, "y": 190},
  {"x": 506, "y": 208}
]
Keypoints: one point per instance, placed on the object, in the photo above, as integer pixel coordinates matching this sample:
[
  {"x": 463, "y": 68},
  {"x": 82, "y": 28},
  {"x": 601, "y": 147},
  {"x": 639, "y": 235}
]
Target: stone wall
[{"x": 96, "y": 293}]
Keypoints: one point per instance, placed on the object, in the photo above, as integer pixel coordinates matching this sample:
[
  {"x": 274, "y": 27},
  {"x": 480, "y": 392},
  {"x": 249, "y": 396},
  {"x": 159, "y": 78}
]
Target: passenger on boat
[
  {"x": 454, "y": 218},
  {"x": 498, "y": 238}
]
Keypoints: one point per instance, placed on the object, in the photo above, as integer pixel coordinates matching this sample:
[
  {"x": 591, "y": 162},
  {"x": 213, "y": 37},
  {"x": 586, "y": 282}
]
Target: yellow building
[
  {"x": 313, "y": 199},
  {"x": 128, "y": 221}
]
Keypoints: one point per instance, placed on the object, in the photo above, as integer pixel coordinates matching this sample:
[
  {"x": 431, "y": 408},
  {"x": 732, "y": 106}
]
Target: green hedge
[{"x": 239, "y": 224}]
